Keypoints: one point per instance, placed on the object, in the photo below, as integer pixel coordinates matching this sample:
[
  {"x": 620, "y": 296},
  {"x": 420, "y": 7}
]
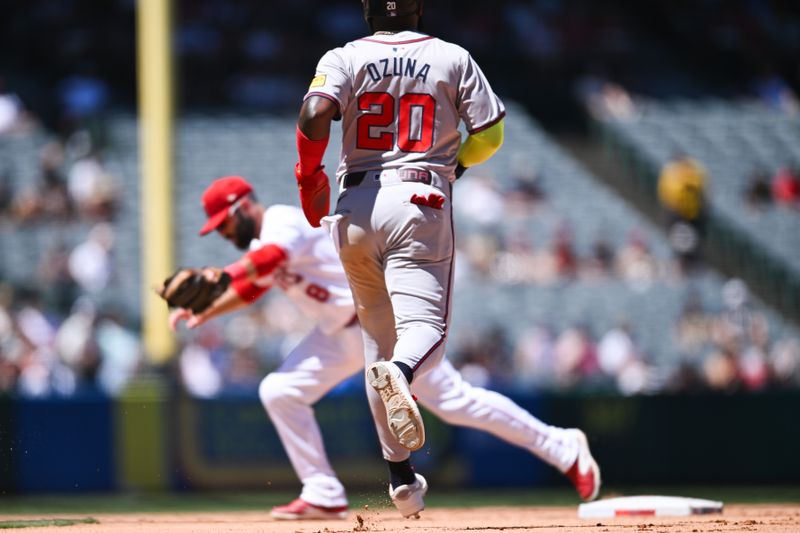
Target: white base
[{"x": 648, "y": 506}]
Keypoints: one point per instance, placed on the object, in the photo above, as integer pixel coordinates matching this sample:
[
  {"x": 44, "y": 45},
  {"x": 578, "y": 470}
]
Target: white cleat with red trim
[{"x": 584, "y": 472}]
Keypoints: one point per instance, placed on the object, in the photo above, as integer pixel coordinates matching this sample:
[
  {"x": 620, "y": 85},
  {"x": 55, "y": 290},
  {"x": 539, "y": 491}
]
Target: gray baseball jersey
[{"x": 401, "y": 97}]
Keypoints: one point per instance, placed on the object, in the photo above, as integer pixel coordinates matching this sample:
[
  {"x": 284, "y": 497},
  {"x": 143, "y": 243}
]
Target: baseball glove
[{"x": 194, "y": 288}]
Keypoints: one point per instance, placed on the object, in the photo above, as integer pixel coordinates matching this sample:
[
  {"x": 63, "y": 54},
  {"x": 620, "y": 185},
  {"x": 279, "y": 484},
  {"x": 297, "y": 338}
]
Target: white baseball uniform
[
  {"x": 314, "y": 279},
  {"x": 401, "y": 97}
]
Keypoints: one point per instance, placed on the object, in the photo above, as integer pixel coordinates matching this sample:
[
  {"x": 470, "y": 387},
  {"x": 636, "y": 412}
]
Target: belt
[
  {"x": 385, "y": 177},
  {"x": 353, "y": 179}
]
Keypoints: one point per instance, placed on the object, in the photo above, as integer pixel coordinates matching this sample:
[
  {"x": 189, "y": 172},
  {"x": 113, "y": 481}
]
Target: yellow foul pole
[{"x": 154, "y": 51}]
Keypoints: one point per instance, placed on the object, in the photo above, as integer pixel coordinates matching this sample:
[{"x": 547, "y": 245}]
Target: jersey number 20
[{"x": 381, "y": 113}]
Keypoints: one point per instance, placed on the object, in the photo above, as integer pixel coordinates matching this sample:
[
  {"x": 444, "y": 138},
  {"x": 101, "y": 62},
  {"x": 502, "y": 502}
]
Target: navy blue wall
[
  {"x": 59, "y": 445},
  {"x": 63, "y": 445}
]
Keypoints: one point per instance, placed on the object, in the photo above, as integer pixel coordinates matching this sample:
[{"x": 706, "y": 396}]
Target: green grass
[
  {"x": 260, "y": 501},
  {"x": 18, "y": 524}
]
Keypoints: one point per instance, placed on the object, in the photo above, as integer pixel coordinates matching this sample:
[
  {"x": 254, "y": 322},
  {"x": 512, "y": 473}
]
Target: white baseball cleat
[
  {"x": 299, "y": 509},
  {"x": 584, "y": 472},
  {"x": 409, "y": 498},
  {"x": 402, "y": 413}
]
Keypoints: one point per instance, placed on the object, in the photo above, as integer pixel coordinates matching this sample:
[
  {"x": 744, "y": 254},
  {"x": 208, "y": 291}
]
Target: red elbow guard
[{"x": 310, "y": 153}]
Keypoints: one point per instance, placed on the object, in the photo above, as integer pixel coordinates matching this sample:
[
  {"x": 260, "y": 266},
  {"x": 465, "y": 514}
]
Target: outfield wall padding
[{"x": 68, "y": 445}]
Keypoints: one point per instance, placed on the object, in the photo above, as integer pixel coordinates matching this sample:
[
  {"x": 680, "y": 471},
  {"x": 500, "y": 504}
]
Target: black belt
[{"x": 354, "y": 179}]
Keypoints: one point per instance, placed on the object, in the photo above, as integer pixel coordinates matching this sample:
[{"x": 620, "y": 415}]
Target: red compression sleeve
[
  {"x": 310, "y": 153},
  {"x": 247, "y": 290},
  {"x": 256, "y": 264}
]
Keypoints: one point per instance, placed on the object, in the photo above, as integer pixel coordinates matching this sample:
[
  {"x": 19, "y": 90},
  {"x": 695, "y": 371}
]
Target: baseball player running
[
  {"x": 285, "y": 252},
  {"x": 400, "y": 95}
]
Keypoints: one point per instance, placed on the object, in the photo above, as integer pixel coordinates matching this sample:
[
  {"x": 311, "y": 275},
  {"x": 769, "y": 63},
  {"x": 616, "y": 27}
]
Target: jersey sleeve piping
[
  {"x": 329, "y": 97},
  {"x": 488, "y": 125}
]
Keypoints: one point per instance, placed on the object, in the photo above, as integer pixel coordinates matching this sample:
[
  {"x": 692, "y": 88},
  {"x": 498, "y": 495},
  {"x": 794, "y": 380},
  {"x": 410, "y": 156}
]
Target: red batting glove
[{"x": 315, "y": 194}]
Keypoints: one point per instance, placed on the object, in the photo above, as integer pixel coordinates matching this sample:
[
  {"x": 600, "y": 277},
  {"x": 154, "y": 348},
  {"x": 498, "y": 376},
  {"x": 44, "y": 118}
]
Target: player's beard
[{"x": 245, "y": 231}]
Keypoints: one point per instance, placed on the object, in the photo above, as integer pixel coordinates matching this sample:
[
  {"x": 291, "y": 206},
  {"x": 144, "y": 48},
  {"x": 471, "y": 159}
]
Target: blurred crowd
[
  {"x": 65, "y": 64},
  {"x": 72, "y": 184},
  {"x": 44, "y": 353},
  {"x": 782, "y": 189},
  {"x": 63, "y": 336},
  {"x": 725, "y": 350},
  {"x": 70, "y": 59},
  {"x": 514, "y": 235},
  {"x": 726, "y": 346}
]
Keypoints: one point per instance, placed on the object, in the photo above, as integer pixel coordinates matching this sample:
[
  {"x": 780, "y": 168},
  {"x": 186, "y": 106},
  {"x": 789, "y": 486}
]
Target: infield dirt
[{"x": 735, "y": 518}]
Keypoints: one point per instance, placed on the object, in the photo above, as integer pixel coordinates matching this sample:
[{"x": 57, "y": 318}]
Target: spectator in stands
[
  {"x": 6, "y": 191},
  {"x": 525, "y": 192},
  {"x": 76, "y": 346},
  {"x": 469, "y": 360},
  {"x": 53, "y": 273},
  {"x": 564, "y": 253},
  {"x": 485, "y": 357},
  {"x": 93, "y": 189},
  {"x": 481, "y": 252},
  {"x": 616, "y": 349},
  {"x": 774, "y": 92},
  {"x": 9, "y": 343},
  {"x": 199, "y": 365},
  {"x": 55, "y": 200},
  {"x": 605, "y": 99},
  {"x": 600, "y": 261},
  {"x": 119, "y": 349},
  {"x": 575, "y": 357},
  {"x": 486, "y": 206},
  {"x": 784, "y": 361},
  {"x": 758, "y": 194},
  {"x": 516, "y": 263},
  {"x": 738, "y": 321},
  {"x": 720, "y": 370},
  {"x": 13, "y": 116},
  {"x": 693, "y": 328},
  {"x": 681, "y": 192},
  {"x": 754, "y": 371},
  {"x": 533, "y": 357},
  {"x": 48, "y": 198},
  {"x": 36, "y": 335},
  {"x": 635, "y": 264},
  {"x": 90, "y": 262},
  {"x": 786, "y": 187}
]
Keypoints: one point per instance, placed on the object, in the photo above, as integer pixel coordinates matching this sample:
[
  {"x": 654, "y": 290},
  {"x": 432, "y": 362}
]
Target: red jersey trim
[
  {"x": 398, "y": 42},
  {"x": 488, "y": 124}
]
